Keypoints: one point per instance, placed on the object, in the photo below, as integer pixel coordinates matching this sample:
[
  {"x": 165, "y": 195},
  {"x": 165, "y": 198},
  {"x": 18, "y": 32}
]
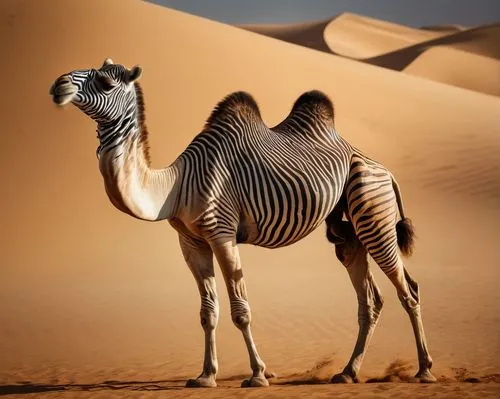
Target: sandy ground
[
  {"x": 310, "y": 34},
  {"x": 450, "y": 28},
  {"x": 463, "y": 69},
  {"x": 162, "y": 389},
  {"x": 98, "y": 304},
  {"x": 350, "y": 35},
  {"x": 450, "y": 54}
]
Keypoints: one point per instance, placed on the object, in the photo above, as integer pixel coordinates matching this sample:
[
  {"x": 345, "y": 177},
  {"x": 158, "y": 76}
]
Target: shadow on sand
[
  {"x": 26, "y": 388},
  {"x": 397, "y": 372}
]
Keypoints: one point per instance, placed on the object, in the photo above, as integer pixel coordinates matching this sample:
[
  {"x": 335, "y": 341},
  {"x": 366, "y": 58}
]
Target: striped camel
[{"x": 239, "y": 181}]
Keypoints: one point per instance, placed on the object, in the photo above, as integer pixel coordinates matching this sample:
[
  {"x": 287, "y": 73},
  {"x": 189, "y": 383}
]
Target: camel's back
[
  {"x": 238, "y": 113},
  {"x": 237, "y": 121},
  {"x": 236, "y": 138}
]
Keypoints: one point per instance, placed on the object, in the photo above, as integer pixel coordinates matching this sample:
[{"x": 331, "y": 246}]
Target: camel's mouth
[{"x": 63, "y": 91}]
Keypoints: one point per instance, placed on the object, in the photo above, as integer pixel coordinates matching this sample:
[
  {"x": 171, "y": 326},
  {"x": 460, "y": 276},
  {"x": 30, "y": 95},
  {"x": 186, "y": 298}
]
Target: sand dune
[
  {"x": 91, "y": 299},
  {"x": 445, "y": 28},
  {"x": 481, "y": 41},
  {"x": 380, "y": 42},
  {"x": 360, "y": 37},
  {"x": 350, "y": 35},
  {"x": 369, "y": 39},
  {"x": 309, "y": 34},
  {"x": 458, "y": 68},
  {"x": 451, "y": 54},
  {"x": 394, "y": 46}
]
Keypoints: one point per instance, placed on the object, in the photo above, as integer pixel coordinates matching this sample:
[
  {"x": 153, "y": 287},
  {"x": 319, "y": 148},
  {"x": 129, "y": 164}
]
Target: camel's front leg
[
  {"x": 199, "y": 258},
  {"x": 227, "y": 255}
]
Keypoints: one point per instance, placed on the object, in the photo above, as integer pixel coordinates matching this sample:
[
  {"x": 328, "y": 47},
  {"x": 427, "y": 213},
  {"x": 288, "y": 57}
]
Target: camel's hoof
[
  {"x": 270, "y": 374},
  {"x": 255, "y": 382},
  {"x": 201, "y": 382},
  {"x": 342, "y": 378},
  {"x": 425, "y": 376}
]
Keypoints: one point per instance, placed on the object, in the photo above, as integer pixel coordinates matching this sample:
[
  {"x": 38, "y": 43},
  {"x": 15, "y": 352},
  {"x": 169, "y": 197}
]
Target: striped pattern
[
  {"x": 241, "y": 182},
  {"x": 373, "y": 211},
  {"x": 267, "y": 187},
  {"x": 264, "y": 186},
  {"x": 103, "y": 95}
]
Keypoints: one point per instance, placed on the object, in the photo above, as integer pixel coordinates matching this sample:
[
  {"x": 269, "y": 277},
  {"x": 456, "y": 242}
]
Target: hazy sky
[{"x": 409, "y": 12}]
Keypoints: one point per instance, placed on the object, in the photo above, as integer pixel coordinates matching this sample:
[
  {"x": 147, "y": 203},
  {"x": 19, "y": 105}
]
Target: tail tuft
[{"x": 406, "y": 236}]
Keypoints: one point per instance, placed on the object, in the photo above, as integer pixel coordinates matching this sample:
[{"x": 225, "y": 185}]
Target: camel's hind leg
[
  {"x": 353, "y": 256},
  {"x": 373, "y": 211}
]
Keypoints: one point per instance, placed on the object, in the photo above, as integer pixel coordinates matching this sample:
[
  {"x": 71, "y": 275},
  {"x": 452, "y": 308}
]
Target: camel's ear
[
  {"x": 134, "y": 74},
  {"x": 107, "y": 61}
]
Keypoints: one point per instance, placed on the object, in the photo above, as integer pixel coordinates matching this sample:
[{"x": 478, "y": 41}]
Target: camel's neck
[
  {"x": 132, "y": 186},
  {"x": 136, "y": 189}
]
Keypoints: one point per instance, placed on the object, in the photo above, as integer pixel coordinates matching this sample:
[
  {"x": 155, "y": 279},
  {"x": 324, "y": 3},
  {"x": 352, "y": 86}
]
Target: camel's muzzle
[{"x": 63, "y": 90}]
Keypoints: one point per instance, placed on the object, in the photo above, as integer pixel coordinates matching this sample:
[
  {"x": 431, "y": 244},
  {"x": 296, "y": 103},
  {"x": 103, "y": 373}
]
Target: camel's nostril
[
  {"x": 63, "y": 79},
  {"x": 60, "y": 82}
]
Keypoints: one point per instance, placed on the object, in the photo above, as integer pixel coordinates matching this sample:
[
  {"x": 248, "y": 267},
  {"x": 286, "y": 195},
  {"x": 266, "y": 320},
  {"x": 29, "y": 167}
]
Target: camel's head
[{"x": 103, "y": 93}]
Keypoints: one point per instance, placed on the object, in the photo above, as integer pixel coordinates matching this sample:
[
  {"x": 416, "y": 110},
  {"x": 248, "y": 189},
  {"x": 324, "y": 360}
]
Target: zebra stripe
[
  {"x": 372, "y": 211},
  {"x": 101, "y": 96},
  {"x": 270, "y": 187},
  {"x": 265, "y": 186}
]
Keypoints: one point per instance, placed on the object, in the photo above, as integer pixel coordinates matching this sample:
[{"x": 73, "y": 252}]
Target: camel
[{"x": 240, "y": 181}]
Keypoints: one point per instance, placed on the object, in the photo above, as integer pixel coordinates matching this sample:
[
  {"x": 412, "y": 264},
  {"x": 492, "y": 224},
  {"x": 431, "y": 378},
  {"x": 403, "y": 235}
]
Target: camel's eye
[{"x": 105, "y": 82}]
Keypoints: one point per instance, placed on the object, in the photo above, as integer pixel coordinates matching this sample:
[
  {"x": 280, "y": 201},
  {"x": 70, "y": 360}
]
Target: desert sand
[
  {"x": 310, "y": 34},
  {"x": 96, "y": 304},
  {"x": 450, "y": 54},
  {"x": 349, "y": 35},
  {"x": 463, "y": 69},
  {"x": 360, "y": 37},
  {"x": 445, "y": 28}
]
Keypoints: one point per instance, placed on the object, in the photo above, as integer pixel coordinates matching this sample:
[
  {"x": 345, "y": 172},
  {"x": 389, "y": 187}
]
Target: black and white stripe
[
  {"x": 103, "y": 95},
  {"x": 269, "y": 187},
  {"x": 372, "y": 210}
]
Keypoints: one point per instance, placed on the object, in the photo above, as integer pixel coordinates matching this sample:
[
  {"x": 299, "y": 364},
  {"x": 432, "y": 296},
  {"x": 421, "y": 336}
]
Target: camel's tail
[{"x": 404, "y": 228}]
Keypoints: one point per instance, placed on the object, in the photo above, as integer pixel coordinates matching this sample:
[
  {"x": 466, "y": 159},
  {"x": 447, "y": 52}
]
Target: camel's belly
[{"x": 284, "y": 226}]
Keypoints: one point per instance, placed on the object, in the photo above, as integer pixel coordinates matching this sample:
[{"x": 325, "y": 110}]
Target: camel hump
[
  {"x": 238, "y": 104},
  {"x": 316, "y": 103}
]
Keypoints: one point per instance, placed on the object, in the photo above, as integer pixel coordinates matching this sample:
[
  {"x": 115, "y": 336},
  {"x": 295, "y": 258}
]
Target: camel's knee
[
  {"x": 208, "y": 320},
  {"x": 209, "y": 315},
  {"x": 410, "y": 298},
  {"x": 409, "y": 303},
  {"x": 370, "y": 310},
  {"x": 369, "y": 315},
  {"x": 377, "y": 304},
  {"x": 240, "y": 313},
  {"x": 241, "y": 320}
]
